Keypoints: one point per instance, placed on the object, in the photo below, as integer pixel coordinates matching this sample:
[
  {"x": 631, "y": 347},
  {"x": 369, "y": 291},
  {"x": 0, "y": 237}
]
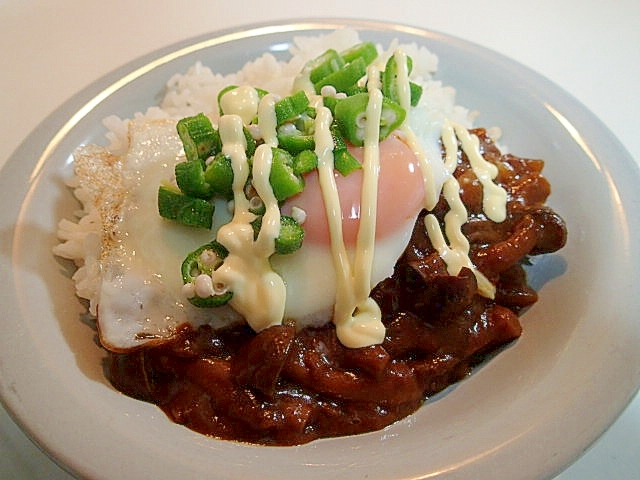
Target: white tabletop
[{"x": 53, "y": 49}]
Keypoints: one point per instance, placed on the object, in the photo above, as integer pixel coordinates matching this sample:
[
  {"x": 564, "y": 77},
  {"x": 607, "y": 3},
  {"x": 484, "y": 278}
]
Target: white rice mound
[{"x": 196, "y": 91}]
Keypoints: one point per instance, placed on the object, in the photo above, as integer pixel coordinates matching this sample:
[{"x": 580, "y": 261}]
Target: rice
[{"x": 196, "y": 91}]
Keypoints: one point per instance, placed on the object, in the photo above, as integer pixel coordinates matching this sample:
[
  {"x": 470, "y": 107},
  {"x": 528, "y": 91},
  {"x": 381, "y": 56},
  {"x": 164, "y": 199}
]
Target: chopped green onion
[
  {"x": 351, "y": 113},
  {"x": 191, "y": 180},
  {"x": 205, "y": 260},
  {"x": 198, "y": 136},
  {"x": 345, "y": 78},
  {"x": 290, "y": 107},
  {"x": 190, "y": 211},
  {"x": 290, "y": 237},
  {"x": 219, "y": 175},
  {"x": 283, "y": 179}
]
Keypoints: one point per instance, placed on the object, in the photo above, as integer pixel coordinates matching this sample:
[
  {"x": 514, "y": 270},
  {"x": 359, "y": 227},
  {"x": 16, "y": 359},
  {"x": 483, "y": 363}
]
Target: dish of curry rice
[{"x": 306, "y": 248}]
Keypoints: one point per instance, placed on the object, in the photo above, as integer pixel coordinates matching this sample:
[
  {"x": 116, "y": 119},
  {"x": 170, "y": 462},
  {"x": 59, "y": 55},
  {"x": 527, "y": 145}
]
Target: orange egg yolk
[{"x": 400, "y": 195}]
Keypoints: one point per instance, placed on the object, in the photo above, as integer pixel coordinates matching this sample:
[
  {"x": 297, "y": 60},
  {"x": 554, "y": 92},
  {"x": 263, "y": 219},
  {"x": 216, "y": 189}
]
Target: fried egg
[{"x": 141, "y": 299}]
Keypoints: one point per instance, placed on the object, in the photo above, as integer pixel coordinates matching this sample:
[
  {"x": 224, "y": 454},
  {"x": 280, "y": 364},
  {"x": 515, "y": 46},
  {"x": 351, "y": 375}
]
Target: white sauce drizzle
[
  {"x": 450, "y": 145},
  {"x": 369, "y": 196},
  {"x": 267, "y": 120},
  {"x": 357, "y": 317},
  {"x": 345, "y": 298},
  {"x": 259, "y": 293},
  {"x": 494, "y": 197},
  {"x": 456, "y": 254},
  {"x": 365, "y": 325},
  {"x": 242, "y": 101}
]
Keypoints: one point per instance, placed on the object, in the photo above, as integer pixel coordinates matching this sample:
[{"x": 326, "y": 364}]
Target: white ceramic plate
[{"x": 525, "y": 414}]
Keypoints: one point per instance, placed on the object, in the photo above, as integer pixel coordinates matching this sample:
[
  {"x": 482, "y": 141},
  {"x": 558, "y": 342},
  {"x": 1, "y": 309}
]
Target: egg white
[
  {"x": 140, "y": 299},
  {"x": 311, "y": 279}
]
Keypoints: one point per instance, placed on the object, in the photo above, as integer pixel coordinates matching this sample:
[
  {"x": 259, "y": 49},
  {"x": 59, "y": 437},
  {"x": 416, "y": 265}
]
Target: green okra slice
[
  {"x": 345, "y": 78},
  {"x": 187, "y": 210},
  {"x": 343, "y": 161},
  {"x": 304, "y": 162},
  {"x": 191, "y": 179},
  {"x": 291, "y": 234},
  {"x": 205, "y": 260},
  {"x": 219, "y": 175},
  {"x": 199, "y": 139},
  {"x": 324, "y": 65},
  {"x": 390, "y": 82},
  {"x": 284, "y": 181},
  {"x": 291, "y": 107},
  {"x": 351, "y": 115},
  {"x": 365, "y": 50}
]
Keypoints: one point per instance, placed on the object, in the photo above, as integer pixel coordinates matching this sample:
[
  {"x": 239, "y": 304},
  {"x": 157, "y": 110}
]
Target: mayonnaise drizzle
[
  {"x": 450, "y": 144},
  {"x": 267, "y": 120},
  {"x": 356, "y": 316},
  {"x": 242, "y": 101},
  {"x": 369, "y": 196},
  {"x": 494, "y": 197},
  {"x": 431, "y": 191},
  {"x": 456, "y": 253},
  {"x": 259, "y": 293},
  {"x": 365, "y": 325}
]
